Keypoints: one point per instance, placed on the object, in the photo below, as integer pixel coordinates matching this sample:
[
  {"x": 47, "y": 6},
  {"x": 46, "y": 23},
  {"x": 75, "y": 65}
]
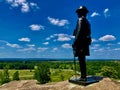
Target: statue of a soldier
[{"x": 82, "y": 40}]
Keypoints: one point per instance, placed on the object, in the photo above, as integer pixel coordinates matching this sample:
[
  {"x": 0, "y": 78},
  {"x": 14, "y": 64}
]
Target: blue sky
[{"x": 43, "y": 28}]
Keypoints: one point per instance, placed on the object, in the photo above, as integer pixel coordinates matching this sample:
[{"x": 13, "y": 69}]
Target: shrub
[
  {"x": 42, "y": 73},
  {"x": 6, "y": 77},
  {"x": 16, "y": 76}
]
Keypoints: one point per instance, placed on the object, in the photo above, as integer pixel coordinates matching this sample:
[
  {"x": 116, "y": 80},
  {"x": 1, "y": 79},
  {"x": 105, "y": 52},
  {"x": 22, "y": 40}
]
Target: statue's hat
[{"x": 82, "y": 9}]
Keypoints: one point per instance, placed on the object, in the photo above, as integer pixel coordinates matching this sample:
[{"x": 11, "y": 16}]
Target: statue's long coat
[{"x": 82, "y": 34}]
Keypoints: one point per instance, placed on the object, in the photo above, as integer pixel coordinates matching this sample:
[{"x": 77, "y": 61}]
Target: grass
[
  {"x": 60, "y": 74},
  {"x": 56, "y": 74},
  {"x": 23, "y": 74}
]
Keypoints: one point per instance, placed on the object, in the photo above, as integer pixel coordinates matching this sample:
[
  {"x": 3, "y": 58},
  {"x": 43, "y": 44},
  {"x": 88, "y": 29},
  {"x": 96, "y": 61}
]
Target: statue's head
[{"x": 82, "y": 11}]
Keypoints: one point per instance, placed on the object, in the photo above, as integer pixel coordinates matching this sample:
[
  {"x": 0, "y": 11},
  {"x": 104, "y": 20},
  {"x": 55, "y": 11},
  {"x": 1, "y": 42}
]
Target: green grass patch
[
  {"x": 60, "y": 74},
  {"x": 56, "y": 74},
  {"x": 23, "y": 74}
]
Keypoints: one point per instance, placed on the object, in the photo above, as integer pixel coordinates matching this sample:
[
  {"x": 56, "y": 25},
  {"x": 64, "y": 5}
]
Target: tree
[
  {"x": 42, "y": 74},
  {"x": 6, "y": 74},
  {"x": 109, "y": 72},
  {"x": 16, "y": 76}
]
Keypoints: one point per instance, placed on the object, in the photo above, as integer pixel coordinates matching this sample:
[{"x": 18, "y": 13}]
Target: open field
[{"x": 56, "y": 74}]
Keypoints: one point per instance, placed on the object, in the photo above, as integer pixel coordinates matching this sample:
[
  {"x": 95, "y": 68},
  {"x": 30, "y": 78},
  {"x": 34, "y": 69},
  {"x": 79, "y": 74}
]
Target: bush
[
  {"x": 6, "y": 77},
  {"x": 1, "y": 78},
  {"x": 16, "y": 76},
  {"x": 42, "y": 73}
]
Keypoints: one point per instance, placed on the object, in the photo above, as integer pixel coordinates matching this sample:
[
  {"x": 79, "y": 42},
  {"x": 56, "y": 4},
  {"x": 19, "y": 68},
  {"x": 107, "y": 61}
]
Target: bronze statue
[{"x": 82, "y": 40}]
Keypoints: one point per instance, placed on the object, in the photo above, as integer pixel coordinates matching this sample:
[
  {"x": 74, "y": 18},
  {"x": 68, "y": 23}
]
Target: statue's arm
[{"x": 77, "y": 32}]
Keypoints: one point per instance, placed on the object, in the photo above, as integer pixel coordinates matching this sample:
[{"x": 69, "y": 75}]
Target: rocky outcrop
[{"x": 105, "y": 84}]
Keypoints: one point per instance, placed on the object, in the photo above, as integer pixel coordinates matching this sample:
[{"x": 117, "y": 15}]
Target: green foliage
[
  {"x": 1, "y": 78},
  {"x": 6, "y": 74},
  {"x": 16, "y": 76},
  {"x": 61, "y": 74},
  {"x": 57, "y": 70},
  {"x": 109, "y": 72},
  {"x": 42, "y": 74},
  {"x": 62, "y": 77}
]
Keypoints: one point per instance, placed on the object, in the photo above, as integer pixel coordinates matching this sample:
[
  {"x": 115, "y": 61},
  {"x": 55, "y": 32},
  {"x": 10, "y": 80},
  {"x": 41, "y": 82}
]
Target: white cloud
[
  {"x": 42, "y": 49},
  {"x": 95, "y": 14},
  {"x": 60, "y": 37},
  {"x": 48, "y": 38},
  {"x": 63, "y": 37},
  {"x": 94, "y": 40},
  {"x": 24, "y": 5},
  {"x": 66, "y": 45},
  {"x": 95, "y": 46},
  {"x": 10, "y": 45},
  {"x": 34, "y": 5},
  {"x": 27, "y": 49},
  {"x": 107, "y": 38},
  {"x": 30, "y": 45},
  {"x": 46, "y": 43},
  {"x": 13, "y": 45},
  {"x": 106, "y": 13},
  {"x": 58, "y": 22},
  {"x": 24, "y": 39},
  {"x": 36, "y": 27}
]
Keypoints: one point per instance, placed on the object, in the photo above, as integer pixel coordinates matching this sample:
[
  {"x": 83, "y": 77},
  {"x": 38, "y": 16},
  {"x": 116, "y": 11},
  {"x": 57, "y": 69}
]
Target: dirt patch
[{"x": 105, "y": 84}]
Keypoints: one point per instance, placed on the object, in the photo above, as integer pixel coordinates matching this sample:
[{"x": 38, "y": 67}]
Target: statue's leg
[{"x": 82, "y": 63}]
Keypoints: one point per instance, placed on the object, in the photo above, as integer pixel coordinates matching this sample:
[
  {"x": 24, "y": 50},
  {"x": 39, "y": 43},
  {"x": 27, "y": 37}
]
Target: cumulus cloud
[
  {"x": 58, "y": 22},
  {"x": 106, "y": 13},
  {"x": 66, "y": 45},
  {"x": 25, "y": 7},
  {"x": 60, "y": 37},
  {"x": 46, "y": 43},
  {"x": 24, "y": 39},
  {"x": 36, "y": 27},
  {"x": 34, "y": 5},
  {"x": 13, "y": 45},
  {"x": 10, "y": 44},
  {"x": 63, "y": 37},
  {"x": 23, "y": 4},
  {"x": 107, "y": 38},
  {"x": 95, "y": 14}
]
